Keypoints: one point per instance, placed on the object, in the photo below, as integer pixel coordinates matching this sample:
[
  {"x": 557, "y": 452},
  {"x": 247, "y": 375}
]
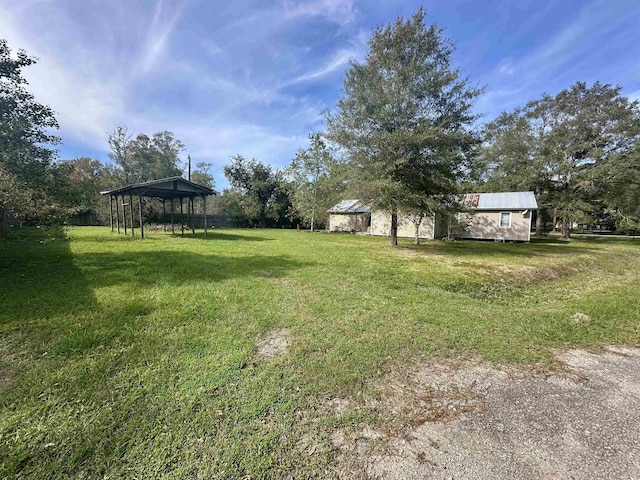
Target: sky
[{"x": 255, "y": 77}]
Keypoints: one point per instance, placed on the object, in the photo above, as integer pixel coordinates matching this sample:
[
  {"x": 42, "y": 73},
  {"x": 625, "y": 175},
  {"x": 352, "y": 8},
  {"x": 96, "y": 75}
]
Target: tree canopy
[
  {"x": 145, "y": 158},
  {"x": 556, "y": 144},
  {"x": 258, "y": 184},
  {"x": 313, "y": 175},
  {"x": 405, "y": 120},
  {"x": 26, "y": 157}
]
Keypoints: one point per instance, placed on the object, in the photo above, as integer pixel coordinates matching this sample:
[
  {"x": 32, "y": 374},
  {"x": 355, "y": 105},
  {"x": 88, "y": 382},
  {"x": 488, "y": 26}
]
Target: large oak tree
[
  {"x": 405, "y": 119},
  {"x": 26, "y": 159},
  {"x": 556, "y": 144}
]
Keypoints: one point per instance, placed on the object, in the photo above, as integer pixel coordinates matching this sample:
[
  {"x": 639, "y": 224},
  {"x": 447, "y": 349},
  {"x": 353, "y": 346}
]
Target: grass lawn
[{"x": 132, "y": 358}]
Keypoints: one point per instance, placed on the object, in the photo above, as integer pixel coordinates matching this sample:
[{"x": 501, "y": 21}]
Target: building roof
[
  {"x": 349, "y": 206},
  {"x": 172, "y": 187},
  {"x": 501, "y": 201}
]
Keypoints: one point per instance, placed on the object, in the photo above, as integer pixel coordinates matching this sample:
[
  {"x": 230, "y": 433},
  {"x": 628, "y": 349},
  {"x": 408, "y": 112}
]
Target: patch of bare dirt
[
  {"x": 274, "y": 343},
  {"x": 466, "y": 419}
]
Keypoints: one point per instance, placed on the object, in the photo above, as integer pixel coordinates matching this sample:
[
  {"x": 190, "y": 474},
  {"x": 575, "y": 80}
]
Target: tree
[
  {"x": 405, "y": 120},
  {"x": 310, "y": 171},
  {"x": 202, "y": 176},
  {"x": 587, "y": 126},
  {"x": 26, "y": 160},
  {"x": 621, "y": 187},
  {"x": 512, "y": 158},
  {"x": 167, "y": 151},
  {"x": 257, "y": 183},
  {"x": 554, "y": 145},
  {"x": 145, "y": 158},
  {"x": 87, "y": 178},
  {"x": 120, "y": 144},
  {"x": 231, "y": 204},
  {"x": 154, "y": 157}
]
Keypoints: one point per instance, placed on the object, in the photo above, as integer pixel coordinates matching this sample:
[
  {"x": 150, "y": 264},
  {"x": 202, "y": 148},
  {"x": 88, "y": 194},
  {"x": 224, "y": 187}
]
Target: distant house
[{"x": 490, "y": 216}]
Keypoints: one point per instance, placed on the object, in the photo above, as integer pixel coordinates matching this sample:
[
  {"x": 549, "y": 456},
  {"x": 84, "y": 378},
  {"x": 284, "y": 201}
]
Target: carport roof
[{"x": 165, "y": 188}]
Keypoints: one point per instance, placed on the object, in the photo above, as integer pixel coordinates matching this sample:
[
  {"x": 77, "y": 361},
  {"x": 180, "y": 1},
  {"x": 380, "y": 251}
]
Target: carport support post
[
  {"x": 111, "y": 211},
  {"x": 117, "y": 214},
  {"x": 172, "y": 228},
  {"x": 204, "y": 199},
  {"x": 124, "y": 214},
  {"x": 131, "y": 214},
  {"x": 192, "y": 217},
  {"x": 140, "y": 210},
  {"x": 164, "y": 216},
  {"x": 181, "y": 218}
]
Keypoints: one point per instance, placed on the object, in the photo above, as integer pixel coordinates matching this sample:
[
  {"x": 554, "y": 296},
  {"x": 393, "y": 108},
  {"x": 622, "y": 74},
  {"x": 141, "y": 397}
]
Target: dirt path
[{"x": 581, "y": 425}]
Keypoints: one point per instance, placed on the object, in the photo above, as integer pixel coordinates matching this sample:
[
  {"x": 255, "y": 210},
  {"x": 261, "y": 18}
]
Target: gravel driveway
[{"x": 582, "y": 425}]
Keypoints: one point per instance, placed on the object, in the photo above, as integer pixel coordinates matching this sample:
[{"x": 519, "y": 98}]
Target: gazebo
[{"x": 172, "y": 189}]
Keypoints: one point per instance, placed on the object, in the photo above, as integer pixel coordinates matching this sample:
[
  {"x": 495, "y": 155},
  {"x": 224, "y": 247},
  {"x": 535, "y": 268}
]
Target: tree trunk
[
  {"x": 538, "y": 224},
  {"x": 417, "y": 238},
  {"x": 313, "y": 220},
  {"x": 394, "y": 228},
  {"x": 3, "y": 221},
  {"x": 566, "y": 227},
  {"x": 555, "y": 221}
]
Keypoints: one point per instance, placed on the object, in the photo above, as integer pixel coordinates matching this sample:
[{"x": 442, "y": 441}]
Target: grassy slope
[{"x": 133, "y": 358}]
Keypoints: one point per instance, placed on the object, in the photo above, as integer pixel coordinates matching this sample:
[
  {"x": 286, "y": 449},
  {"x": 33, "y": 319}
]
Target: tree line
[{"x": 403, "y": 137}]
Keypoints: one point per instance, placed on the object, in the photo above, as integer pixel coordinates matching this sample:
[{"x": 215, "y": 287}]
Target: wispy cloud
[
  {"x": 563, "y": 59},
  {"x": 165, "y": 19},
  {"x": 342, "y": 12},
  {"x": 253, "y": 76},
  {"x": 506, "y": 69},
  {"x": 337, "y": 62}
]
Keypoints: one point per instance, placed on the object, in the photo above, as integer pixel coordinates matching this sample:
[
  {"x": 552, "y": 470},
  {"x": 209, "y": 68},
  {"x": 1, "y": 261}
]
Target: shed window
[{"x": 505, "y": 219}]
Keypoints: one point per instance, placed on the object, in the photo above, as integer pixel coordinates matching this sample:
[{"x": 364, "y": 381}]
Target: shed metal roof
[
  {"x": 502, "y": 201},
  {"x": 172, "y": 187},
  {"x": 349, "y": 206}
]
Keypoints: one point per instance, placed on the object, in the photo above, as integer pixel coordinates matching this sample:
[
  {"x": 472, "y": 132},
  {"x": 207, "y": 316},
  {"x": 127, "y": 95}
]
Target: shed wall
[
  {"x": 351, "y": 222},
  {"x": 486, "y": 225},
  {"x": 381, "y": 225}
]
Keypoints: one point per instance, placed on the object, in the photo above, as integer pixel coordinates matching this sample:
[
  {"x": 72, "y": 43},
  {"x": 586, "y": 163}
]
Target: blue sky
[{"x": 253, "y": 77}]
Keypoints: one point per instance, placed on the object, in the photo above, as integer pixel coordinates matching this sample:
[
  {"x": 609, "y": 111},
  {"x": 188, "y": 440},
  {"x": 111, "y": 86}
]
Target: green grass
[{"x": 124, "y": 358}]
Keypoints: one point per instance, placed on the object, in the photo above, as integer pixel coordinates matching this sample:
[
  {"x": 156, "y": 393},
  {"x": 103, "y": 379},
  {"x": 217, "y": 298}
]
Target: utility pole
[{"x": 189, "y": 159}]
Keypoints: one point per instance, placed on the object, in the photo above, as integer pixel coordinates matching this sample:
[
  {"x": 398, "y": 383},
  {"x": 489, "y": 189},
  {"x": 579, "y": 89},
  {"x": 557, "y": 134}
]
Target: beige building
[
  {"x": 354, "y": 216},
  {"x": 381, "y": 225},
  {"x": 504, "y": 216}
]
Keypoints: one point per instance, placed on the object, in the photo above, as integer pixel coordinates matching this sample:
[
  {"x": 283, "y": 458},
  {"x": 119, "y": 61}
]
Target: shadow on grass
[
  {"x": 38, "y": 277},
  {"x": 41, "y": 278}
]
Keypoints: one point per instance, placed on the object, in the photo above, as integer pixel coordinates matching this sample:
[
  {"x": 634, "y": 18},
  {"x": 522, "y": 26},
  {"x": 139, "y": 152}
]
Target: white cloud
[
  {"x": 85, "y": 106},
  {"x": 506, "y": 69},
  {"x": 336, "y": 62},
  {"x": 161, "y": 27},
  {"x": 341, "y": 12}
]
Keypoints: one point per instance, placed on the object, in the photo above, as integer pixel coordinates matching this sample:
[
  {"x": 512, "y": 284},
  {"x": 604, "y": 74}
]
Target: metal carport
[{"x": 172, "y": 188}]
